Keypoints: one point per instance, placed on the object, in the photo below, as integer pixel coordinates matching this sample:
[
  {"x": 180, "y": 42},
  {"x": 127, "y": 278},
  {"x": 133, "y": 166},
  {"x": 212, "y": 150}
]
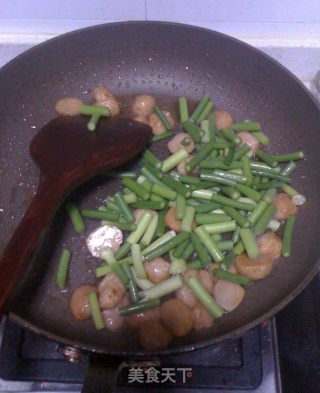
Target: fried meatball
[
  {"x": 111, "y": 291},
  {"x": 285, "y": 207},
  {"x": 154, "y": 336},
  {"x": 143, "y": 105},
  {"x": 157, "y": 270},
  {"x": 176, "y": 143},
  {"x": 79, "y": 304},
  {"x": 270, "y": 245},
  {"x": 253, "y": 269},
  {"x": 136, "y": 320},
  {"x": 223, "y": 119},
  {"x": 176, "y": 317},
  {"x": 228, "y": 294}
]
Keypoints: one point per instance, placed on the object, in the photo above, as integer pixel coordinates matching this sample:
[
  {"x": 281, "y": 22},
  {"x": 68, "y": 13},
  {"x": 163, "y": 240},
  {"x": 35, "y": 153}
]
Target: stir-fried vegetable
[
  {"x": 199, "y": 223},
  {"x": 62, "y": 273}
]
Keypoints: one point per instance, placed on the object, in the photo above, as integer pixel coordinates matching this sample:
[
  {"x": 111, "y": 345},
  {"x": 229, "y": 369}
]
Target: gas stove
[{"x": 31, "y": 363}]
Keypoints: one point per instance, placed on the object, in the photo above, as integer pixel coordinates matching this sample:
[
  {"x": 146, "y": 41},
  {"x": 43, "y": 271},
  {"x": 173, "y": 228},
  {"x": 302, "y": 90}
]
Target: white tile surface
[
  {"x": 241, "y": 18},
  {"x": 264, "y": 30},
  {"x": 72, "y": 9},
  {"x": 235, "y": 10},
  {"x": 44, "y": 27},
  {"x": 59, "y": 16},
  {"x": 302, "y": 62},
  {"x": 8, "y": 51}
]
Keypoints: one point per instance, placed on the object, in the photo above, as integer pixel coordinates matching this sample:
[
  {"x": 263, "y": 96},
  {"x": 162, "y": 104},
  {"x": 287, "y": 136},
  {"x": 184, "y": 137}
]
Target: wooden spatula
[{"x": 67, "y": 154}]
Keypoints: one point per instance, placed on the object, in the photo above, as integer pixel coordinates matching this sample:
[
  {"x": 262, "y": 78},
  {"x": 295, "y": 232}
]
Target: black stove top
[
  {"x": 31, "y": 363},
  {"x": 298, "y": 327}
]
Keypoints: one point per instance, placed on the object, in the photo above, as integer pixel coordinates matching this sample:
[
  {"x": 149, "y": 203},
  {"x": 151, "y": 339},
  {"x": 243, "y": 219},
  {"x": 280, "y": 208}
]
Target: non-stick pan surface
[{"x": 156, "y": 58}]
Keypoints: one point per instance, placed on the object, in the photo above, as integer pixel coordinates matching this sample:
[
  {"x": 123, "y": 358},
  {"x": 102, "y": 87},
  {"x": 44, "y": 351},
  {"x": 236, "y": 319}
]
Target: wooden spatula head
[{"x": 66, "y": 148}]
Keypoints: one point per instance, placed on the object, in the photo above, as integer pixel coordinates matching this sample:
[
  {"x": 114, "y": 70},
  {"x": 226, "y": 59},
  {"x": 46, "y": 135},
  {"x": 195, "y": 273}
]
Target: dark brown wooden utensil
[{"x": 67, "y": 154}]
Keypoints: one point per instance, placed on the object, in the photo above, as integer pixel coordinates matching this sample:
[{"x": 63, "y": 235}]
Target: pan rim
[{"x": 100, "y": 350}]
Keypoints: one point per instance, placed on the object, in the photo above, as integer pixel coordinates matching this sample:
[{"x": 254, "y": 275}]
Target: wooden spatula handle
[{"x": 26, "y": 240}]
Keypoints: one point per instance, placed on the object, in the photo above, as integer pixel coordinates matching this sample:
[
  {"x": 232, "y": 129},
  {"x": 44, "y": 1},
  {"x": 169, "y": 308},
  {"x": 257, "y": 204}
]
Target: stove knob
[{"x": 71, "y": 354}]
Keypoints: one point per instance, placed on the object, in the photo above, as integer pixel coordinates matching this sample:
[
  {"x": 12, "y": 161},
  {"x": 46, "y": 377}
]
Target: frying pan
[{"x": 160, "y": 59}]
